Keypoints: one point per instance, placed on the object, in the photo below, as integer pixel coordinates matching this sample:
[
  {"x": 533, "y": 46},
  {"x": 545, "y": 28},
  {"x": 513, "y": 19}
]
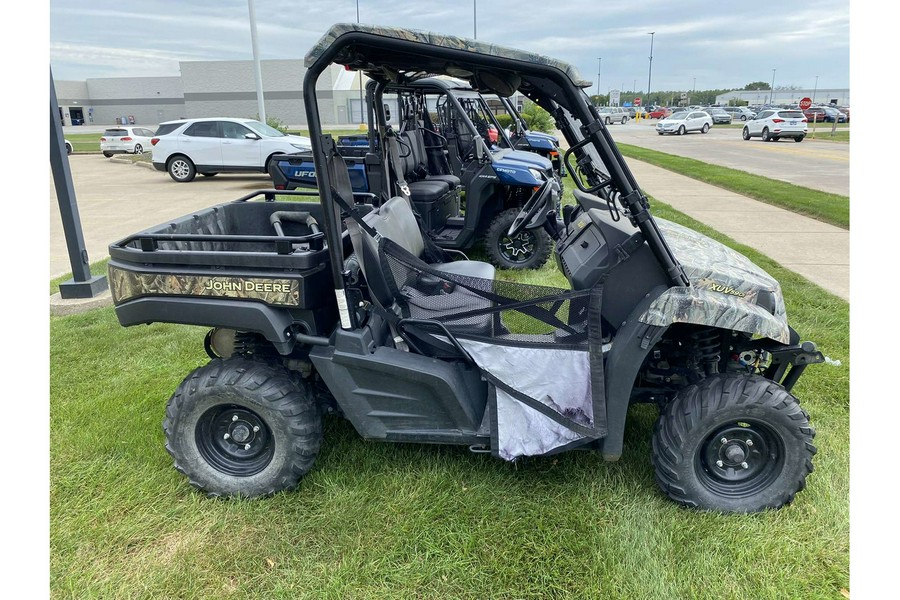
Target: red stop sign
[
  {"x": 805, "y": 103},
  {"x": 637, "y": 101}
]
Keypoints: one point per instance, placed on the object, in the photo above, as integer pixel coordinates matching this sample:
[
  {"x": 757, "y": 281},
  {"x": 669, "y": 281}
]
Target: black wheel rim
[
  {"x": 519, "y": 248},
  {"x": 740, "y": 459},
  {"x": 234, "y": 440}
]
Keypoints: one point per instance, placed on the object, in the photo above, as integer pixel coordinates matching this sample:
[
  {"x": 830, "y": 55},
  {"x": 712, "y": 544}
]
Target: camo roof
[{"x": 438, "y": 39}]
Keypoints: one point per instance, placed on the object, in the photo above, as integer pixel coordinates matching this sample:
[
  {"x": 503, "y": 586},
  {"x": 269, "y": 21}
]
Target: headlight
[
  {"x": 537, "y": 174},
  {"x": 301, "y": 147}
]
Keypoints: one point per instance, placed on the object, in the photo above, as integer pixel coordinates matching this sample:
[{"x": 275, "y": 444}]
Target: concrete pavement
[{"x": 816, "y": 250}]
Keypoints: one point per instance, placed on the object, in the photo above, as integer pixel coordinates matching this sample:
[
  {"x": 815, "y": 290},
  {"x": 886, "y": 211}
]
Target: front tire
[
  {"x": 68, "y": 148},
  {"x": 181, "y": 169},
  {"x": 745, "y": 133},
  {"x": 682, "y": 130},
  {"x": 765, "y": 135},
  {"x": 733, "y": 443},
  {"x": 530, "y": 249},
  {"x": 242, "y": 427}
]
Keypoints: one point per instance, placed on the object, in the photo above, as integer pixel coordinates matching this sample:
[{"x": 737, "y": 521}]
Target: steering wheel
[{"x": 529, "y": 217}]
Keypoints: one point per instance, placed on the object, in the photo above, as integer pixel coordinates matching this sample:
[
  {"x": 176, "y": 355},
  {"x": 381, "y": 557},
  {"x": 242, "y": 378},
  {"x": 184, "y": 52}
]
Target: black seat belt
[{"x": 393, "y": 148}]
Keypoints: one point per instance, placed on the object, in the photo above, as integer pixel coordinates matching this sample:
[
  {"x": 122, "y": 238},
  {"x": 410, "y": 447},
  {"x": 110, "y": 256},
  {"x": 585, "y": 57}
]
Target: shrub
[{"x": 537, "y": 118}]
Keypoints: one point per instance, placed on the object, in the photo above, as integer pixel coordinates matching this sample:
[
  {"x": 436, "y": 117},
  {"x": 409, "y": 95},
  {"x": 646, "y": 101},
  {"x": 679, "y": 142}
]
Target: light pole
[
  {"x": 693, "y": 90},
  {"x": 815, "y": 89},
  {"x": 599, "y": 63},
  {"x": 772, "y": 90},
  {"x": 362, "y": 110},
  {"x": 256, "y": 66},
  {"x": 475, "y": 17},
  {"x": 650, "y": 71}
]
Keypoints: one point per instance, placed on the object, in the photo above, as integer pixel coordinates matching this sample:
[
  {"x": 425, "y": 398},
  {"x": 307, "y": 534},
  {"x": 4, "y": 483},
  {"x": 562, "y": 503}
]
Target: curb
[
  {"x": 126, "y": 161},
  {"x": 60, "y": 307}
]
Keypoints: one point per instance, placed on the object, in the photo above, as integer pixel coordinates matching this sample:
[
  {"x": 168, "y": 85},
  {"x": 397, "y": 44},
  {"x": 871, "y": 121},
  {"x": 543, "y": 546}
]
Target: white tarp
[{"x": 558, "y": 378}]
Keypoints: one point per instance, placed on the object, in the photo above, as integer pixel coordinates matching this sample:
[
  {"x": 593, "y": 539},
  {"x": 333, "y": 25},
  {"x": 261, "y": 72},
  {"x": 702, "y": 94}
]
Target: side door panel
[
  {"x": 202, "y": 143},
  {"x": 237, "y": 150}
]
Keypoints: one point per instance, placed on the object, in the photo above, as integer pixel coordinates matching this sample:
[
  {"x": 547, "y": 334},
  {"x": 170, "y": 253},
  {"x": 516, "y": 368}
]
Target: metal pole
[
  {"x": 258, "y": 70},
  {"x": 599, "y": 63},
  {"x": 362, "y": 109},
  {"x": 650, "y": 71},
  {"x": 772, "y": 90},
  {"x": 475, "y": 17},
  {"x": 82, "y": 284},
  {"x": 815, "y": 89}
]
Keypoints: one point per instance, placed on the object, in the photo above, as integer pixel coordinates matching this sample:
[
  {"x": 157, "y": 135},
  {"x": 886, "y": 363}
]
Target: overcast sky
[{"x": 721, "y": 44}]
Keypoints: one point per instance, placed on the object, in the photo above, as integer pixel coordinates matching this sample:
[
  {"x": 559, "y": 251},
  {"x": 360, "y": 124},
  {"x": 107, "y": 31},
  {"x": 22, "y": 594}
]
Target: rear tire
[
  {"x": 765, "y": 135},
  {"x": 733, "y": 443},
  {"x": 705, "y": 128},
  {"x": 743, "y": 117},
  {"x": 608, "y": 121},
  {"x": 181, "y": 169},
  {"x": 798, "y": 139},
  {"x": 68, "y": 148},
  {"x": 242, "y": 427},
  {"x": 530, "y": 249},
  {"x": 138, "y": 149},
  {"x": 107, "y": 154}
]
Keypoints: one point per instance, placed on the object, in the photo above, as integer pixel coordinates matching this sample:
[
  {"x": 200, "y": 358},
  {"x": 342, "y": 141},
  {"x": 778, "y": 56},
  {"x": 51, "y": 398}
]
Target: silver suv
[
  {"x": 739, "y": 113},
  {"x": 613, "y": 114}
]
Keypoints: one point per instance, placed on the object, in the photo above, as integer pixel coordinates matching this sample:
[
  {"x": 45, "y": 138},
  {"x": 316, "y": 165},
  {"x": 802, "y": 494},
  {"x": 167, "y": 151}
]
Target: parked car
[
  {"x": 815, "y": 114},
  {"x": 739, "y": 113},
  {"x": 660, "y": 112},
  {"x": 685, "y": 121},
  {"x": 125, "y": 140},
  {"x": 774, "y": 124},
  {"x": 832, "y": 114},
  {"x": 68, "y": 146},
  {"x": 846, "y": 111},
  {"x": 718, "y": 115},
  {"x": 613, "y": 114},
  {"x": 210, "y": 146}
]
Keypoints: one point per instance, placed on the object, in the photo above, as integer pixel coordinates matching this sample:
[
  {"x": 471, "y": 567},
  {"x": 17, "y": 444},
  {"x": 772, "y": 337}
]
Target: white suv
[
  {"x": 219, "y": 145},
  {"x": 773, "y": 124}
]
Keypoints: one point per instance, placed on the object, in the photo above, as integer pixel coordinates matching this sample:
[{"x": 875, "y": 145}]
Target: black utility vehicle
[
  {"x": 449, "y": 155},
  {"x": 344, "y": 306}
]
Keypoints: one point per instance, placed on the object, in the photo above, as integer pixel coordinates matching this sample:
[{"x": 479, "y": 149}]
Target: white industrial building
[
  {"x": 211, "y": 88},
  {"x": 837, "y": 96}
]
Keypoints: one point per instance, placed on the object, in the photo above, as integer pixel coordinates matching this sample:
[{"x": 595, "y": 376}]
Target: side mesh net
[
  {"x": 486, "y": 309},
  {"x": 539, "y": 348}
]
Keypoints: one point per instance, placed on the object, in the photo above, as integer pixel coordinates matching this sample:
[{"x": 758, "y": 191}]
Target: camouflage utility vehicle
[{"x": 342, "y": 305}]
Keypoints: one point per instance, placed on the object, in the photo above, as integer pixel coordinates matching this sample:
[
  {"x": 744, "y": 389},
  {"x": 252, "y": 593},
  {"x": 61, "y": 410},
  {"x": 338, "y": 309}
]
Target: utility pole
[
  {"x": 650, "y": 71},
  {"x": 772, "y": 90},
  {"x": 475, "y": 17},
  {"x": 815, "y": 89},
  {"x": 256, "y": 66},
  {"x": 599, "y": 64}
]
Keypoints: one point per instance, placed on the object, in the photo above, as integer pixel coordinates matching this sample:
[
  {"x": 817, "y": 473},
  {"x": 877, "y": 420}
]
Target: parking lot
[
  {"x": 817, "y": 164},
  {"x": 117, "y": 199}
]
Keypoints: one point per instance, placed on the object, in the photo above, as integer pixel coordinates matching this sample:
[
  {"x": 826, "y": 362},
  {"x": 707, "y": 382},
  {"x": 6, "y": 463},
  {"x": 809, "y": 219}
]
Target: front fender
[{"x": 700, "y": 306}]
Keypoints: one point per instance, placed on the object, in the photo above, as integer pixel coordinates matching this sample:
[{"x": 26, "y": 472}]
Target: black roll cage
[{"x": 546, "y": 85}]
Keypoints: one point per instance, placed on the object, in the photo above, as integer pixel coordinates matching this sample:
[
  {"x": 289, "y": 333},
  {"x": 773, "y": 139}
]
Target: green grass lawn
[
  {"x": 378, "y": 520},
  {"x": 830, "y": 208}
]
